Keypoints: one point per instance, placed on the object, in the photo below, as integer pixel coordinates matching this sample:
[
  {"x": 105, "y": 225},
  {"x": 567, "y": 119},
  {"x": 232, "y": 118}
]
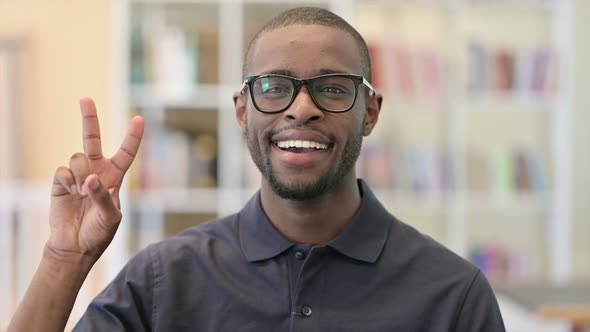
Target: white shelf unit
[
  {"x": 455, "y": 123},
  {"x": 460, "y": 122}
]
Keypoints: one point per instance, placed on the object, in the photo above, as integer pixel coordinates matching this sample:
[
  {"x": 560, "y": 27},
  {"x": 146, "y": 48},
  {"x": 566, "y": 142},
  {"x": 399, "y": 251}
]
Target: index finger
[
  {"x": 126, "y": 153},
  {"x": 90, "y": 129}
]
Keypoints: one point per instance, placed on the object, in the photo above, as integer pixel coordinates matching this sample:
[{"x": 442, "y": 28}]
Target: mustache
[{"x": 269, "y": 135}]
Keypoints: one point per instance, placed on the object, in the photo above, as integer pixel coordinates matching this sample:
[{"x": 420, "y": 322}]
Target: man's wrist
[{"x": 66, "y": 266}]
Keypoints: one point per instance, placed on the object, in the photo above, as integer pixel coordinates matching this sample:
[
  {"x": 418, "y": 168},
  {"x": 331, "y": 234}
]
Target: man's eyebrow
[
  {"x": 324, "y": 71},
  {"x": 278, "y": 72},
  {"x": 331, "y": 71}
]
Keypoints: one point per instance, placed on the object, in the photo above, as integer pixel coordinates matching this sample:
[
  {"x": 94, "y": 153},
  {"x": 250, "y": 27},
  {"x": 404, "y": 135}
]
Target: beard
[{"x": 301, "y": 191}]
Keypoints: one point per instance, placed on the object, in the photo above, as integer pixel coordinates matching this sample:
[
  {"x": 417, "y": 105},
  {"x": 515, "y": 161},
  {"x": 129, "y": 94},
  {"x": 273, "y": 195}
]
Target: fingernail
[{"x": 93, "y": 185}]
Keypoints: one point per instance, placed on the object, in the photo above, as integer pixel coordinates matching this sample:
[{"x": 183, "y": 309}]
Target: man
[{"x": 314, "y": 250}]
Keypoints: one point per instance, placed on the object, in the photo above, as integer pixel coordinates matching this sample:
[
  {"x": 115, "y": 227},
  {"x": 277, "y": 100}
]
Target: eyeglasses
[{"x": 275, "y": 93}]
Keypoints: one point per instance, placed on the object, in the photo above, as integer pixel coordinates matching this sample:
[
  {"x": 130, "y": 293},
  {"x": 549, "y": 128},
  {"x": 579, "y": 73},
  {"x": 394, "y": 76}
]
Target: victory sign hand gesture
[
  {"x": 85, "y": 208},
  {"x": 83, "y": 219}
]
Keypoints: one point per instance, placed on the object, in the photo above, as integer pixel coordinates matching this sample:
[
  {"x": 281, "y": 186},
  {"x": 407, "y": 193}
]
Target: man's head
[
  {"x": 312, "y": 16},
  {"x": 304, "y": 152}
]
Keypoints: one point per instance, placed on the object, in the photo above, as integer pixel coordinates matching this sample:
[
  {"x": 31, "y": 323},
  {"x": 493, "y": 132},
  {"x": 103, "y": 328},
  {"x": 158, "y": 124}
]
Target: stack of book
[
  {"x": 527, "y": 73},
  {"x": 408, "y": 73}
]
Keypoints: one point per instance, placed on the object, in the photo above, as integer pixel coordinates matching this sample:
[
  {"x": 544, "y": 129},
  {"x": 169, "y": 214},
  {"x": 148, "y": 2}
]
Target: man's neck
[{"x": 316, "y": 221}]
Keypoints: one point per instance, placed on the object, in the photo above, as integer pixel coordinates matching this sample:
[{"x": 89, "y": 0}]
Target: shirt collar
[
  {"x": 258, "y": 237},
  {"x": 363, "y": 239}
]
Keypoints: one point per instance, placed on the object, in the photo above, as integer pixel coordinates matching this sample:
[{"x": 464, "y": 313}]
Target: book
[
  {"x": 403, "y": 79},
  {"x": 430, "y": 80},
  {"x": 202, "y": 171},
  {"x": 477, "y": 69},
  {"x": 478, "y": 172},
  {"x": 379, "y": 80},
  {"x": 522, "y": 72},
  {"x": 377, "y": 165},
  {"x": 503, "y": 69},
  {"x": 502, "y": 167},
  {"x": 537, "y": 172},
  {"x": 174, "y": 63},
  {"x": 521, "y": 172}
]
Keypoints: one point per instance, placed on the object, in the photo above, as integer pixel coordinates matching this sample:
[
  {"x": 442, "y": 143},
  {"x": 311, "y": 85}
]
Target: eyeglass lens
[{"x": 333, "y": 93}]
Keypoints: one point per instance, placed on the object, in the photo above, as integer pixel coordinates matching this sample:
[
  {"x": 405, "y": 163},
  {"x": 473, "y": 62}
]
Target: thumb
[{"x": 107, "y": 210}]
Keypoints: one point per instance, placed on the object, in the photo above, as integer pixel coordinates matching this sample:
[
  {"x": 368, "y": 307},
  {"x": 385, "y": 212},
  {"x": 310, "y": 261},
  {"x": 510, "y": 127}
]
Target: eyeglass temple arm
[{"x": 365, "y": 82}]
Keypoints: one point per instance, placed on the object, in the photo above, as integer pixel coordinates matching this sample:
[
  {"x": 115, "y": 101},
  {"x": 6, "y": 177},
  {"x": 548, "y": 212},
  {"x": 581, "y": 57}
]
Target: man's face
[{"x": 304, "y": 51}]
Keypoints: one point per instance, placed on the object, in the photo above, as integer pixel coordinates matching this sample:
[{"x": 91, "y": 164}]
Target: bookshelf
[
  {"x": 470, "y": 147},
  {"x": 478, "y": 94}
]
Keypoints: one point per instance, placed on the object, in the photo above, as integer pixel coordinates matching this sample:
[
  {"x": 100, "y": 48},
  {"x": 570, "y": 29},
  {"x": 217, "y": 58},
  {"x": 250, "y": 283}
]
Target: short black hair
[{"x": 311, "y": 16}]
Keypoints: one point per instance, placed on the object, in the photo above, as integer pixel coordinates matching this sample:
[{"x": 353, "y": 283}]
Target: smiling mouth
[{"x": 299, "y": 146}]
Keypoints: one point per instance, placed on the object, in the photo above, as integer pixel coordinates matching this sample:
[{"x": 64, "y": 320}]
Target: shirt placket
[{"x": 306, "y": 265}]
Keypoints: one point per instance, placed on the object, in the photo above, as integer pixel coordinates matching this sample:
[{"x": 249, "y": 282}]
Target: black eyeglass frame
[{"x": 298, "y": 83}]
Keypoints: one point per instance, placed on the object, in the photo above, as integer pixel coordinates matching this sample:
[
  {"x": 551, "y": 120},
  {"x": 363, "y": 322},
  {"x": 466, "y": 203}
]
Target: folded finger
[
  {"x": 128, "y": 150},
  {"x": 107, "y": 209},
  {"x": 90, "y": 129},
  {"x": 80, "y": 167},
  {"x": 63, "y": 182}
]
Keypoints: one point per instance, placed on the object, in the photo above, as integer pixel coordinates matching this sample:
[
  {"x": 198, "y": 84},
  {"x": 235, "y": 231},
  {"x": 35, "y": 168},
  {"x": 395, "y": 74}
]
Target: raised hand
[
  {"x": 84, "y": 217},
  {"x": 85, "y": 209}
]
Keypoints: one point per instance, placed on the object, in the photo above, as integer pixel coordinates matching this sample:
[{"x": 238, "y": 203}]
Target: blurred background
[{"x": 483, "y": 141}]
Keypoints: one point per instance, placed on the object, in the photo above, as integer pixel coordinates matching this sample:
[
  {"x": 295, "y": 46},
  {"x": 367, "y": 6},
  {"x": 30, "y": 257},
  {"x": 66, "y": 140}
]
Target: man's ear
[
  {"x": 373, "y": 109},
  {"x": 240, "y": 105}
]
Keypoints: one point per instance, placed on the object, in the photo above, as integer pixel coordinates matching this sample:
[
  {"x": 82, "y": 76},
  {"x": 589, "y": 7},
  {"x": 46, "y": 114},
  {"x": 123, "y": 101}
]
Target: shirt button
[
  {"x": 306, "y": 311},
  {"x": 299, "y": 255}
]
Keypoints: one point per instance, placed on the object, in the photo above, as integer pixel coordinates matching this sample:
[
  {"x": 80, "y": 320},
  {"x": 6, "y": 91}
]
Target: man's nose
[{"x": 303, "y": 109}]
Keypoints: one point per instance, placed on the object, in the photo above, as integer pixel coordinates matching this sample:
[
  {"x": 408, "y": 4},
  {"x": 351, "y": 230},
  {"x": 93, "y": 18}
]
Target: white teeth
[{"x": 301, "y": 144}]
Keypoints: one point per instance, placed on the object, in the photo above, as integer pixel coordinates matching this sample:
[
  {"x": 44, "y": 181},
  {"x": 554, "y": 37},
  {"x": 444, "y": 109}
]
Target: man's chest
[{"x": 306, "y": 291}]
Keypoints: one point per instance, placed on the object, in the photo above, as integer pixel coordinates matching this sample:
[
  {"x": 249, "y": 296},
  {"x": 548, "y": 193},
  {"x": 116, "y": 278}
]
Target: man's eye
[
  {"x": 332, "y": 89},
  {"x": 275, "y": 89}
]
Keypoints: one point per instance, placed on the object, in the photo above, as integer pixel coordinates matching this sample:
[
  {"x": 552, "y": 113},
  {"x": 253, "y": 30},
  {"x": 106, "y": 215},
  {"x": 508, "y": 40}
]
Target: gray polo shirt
[{"x": 239, "y": 274}]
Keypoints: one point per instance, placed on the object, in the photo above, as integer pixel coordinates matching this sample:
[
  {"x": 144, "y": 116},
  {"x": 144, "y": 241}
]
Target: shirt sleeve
[
  {"x": 126, "y": 304},
  {"x": 480, "y": 311}
]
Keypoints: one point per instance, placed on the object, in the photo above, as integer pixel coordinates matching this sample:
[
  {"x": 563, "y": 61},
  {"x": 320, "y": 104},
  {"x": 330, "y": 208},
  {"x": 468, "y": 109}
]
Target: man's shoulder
[
  {"x": 405, "y": 246},
  {"x": 223, "y": 228},
  {"x": 424, "y": 253},
  {"x": 215, "y": 236}
]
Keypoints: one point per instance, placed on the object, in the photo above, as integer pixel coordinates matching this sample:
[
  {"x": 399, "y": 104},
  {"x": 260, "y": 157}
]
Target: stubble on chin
[{"x": 304, "y": 191}]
